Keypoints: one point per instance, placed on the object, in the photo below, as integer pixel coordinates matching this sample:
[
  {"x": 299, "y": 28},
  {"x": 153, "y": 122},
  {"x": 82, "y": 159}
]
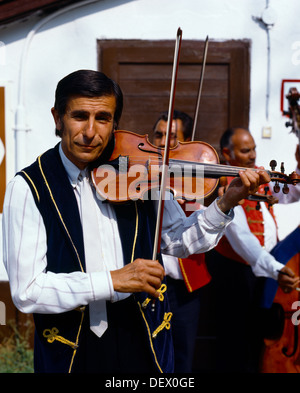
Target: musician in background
[
  {"x": 185, "y": 276},
  {"x": 237, "y": 264}
]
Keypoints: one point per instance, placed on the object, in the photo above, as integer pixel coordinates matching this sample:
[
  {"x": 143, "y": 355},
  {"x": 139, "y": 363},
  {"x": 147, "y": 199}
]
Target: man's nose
[
  {"x": 162, "y": 141},
  {"x": 89, "y": 130}
]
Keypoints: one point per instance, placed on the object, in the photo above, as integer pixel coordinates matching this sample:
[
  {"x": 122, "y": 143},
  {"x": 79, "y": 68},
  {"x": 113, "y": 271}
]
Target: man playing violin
[
  {"x": 101, "y": 308},
  {"x": 237, "y": 263}
]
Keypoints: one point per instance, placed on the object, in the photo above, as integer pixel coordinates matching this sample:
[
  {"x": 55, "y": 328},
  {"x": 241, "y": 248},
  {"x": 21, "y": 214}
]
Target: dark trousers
[
  {"x": 123, "y": 348},
  {"x": 235, "y": 295},
  {"x": 185, "y": 307}
]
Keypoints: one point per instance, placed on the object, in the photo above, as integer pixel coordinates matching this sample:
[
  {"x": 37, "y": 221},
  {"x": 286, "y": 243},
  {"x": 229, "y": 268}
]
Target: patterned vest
[
  {"x": 57, "y": 336},
  {"x": 255, "y": 221},
  {"x": 193, "y": 268}
]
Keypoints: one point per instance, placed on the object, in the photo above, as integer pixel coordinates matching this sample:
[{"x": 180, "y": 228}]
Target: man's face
[
  {"x": 243, "y": 152},
  {"x": 86, "y": 128},
  {"x": 160, "y": 133}
]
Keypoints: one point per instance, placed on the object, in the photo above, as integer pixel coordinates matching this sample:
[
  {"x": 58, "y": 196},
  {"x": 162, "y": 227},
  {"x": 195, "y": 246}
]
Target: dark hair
[
  {"x": 87, "y": 83},
  {"x": 225, "y": 140},
  {"x": 187, "y": 122}
]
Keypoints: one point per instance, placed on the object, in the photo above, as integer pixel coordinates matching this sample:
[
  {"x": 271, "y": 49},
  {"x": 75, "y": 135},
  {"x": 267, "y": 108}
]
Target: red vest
[
  {"x": 193, "y": 268},
  {"x": 255, "y": 222}
]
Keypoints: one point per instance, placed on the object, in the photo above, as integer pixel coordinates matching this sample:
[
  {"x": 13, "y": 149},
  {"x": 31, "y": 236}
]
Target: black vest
[{"x": 57, "y": 336}]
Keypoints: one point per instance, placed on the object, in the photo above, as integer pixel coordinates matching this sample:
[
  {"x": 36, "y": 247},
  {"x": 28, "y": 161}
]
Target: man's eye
[
  {"x": 79, "y": 116},
  {"x": 158, "y": 135},
  {"x": 103, "y": 119}
]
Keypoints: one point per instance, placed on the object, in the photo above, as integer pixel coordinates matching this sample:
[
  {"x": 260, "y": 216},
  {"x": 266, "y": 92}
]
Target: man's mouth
[{"x": 87, "y": 147}]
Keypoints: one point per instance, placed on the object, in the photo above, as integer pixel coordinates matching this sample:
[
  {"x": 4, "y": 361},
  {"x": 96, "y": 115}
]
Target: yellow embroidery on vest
[
  {"x": 149, "y": 336},
  {"x": 77, "y": 339},
  {"x": 135, "y": 233},
  {"x": 52, "y": 335},
  {"x": 164, "y": 325},
  {"x": 186, "y": 279},
  {"x": 250, "y": 221},
  {"x": 33, "y": 185},
  {"x": 162, "y": 290},
  {"x": 258, "y": 233},
  {"x": 161, "y": 297}
]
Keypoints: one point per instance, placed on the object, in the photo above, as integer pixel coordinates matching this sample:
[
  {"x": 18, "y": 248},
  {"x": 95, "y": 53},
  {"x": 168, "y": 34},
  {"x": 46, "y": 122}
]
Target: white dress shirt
[
  {"x": 25, "y": 247},
  {"x": 248, "y": 246}
]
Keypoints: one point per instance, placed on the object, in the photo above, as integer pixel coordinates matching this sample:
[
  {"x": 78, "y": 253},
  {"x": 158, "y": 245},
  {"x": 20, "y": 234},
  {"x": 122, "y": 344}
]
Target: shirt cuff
[
  {"x": 266, "y": 266},
  {"x": 216, "y": 217},
  {"x": 101, "y": 284},
  {"x": 277, "y": 267}
]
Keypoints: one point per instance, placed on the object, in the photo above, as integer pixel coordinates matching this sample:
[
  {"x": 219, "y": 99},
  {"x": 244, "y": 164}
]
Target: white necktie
[{"x": 92, "y": 247}]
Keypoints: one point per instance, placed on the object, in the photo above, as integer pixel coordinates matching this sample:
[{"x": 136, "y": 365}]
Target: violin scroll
[{"x": 281, "y": 177}]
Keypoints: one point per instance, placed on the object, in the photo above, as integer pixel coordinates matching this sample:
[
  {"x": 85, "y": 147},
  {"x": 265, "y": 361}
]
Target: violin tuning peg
[
  {"x": 288, "y": 123},
  {"x": 282, "y": 167},
  {"x": 273, "y": 164},
  {"x": 266, "y": 188},
  {"x": 285, "y": 189},
  {"x": 276, "y": 187}
]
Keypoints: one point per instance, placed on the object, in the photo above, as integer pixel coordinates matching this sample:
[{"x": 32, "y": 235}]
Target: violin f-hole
[{"x": 148, "y": 151}]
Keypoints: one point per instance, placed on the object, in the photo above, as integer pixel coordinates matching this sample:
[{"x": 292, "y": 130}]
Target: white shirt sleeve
[
  {"x": 249, "y": 248},
  {"x": 24, "y": 253},
  {"x": 198, "y": 233}
]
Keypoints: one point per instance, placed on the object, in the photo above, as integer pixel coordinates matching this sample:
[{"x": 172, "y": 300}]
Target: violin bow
[
  {"x": 200, "y": 89},
  {"x": 158, "y": 229}
]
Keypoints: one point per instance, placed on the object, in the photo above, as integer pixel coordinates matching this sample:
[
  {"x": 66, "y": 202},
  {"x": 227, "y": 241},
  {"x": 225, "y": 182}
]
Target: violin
[{"x": 135, "y": 166}]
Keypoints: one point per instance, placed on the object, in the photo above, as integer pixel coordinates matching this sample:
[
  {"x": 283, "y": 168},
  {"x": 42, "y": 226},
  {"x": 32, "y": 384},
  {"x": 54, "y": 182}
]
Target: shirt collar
[{"x": 72, "y": 170}]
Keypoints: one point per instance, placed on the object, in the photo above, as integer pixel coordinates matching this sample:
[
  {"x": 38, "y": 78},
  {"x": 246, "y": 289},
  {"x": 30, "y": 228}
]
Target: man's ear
[
  {"x": 56, "y": 117},
  {"x": 226, "y": 153}
]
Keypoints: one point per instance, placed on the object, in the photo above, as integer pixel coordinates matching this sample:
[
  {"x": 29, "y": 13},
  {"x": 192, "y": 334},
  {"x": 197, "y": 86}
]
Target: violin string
[
  {"x": 212, "y": 170},
  {"x": 209, "y": 168}
]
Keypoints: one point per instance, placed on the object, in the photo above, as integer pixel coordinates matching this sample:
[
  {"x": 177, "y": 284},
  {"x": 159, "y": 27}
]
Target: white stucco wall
[{"x": 68, "y": 42}]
